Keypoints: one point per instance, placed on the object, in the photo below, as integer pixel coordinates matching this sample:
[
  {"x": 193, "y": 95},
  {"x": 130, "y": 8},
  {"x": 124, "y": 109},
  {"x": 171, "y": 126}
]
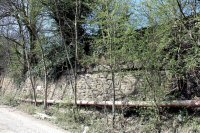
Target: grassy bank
[{"x": 100, "y": 121}]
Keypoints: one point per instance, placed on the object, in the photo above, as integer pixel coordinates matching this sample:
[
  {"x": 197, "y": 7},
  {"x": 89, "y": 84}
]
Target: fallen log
[
  {"x": 122, "y": 104},
  {"x": 133, "y": 104}
]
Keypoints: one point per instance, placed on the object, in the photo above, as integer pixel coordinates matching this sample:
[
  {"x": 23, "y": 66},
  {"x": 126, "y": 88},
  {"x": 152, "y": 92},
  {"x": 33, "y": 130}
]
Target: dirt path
[{"x": 13, "y": 121}]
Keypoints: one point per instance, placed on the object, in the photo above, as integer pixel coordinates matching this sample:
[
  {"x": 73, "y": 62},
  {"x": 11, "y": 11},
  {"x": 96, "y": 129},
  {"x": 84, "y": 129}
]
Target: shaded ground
[{"x": 13, "y": 121}]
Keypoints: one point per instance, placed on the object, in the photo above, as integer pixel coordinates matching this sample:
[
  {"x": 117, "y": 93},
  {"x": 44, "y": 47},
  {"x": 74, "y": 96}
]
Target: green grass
[
  {"x": 8, "y": 100},
  {"x": 28, "y": 108},
  {"x": 146, "y": 120}
]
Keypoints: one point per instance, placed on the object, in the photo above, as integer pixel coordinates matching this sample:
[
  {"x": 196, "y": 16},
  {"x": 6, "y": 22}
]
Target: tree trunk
[
  {"x": 76, "y": 54},
  {"x": 31, "y": 79},
  {"x": 113, "y": 102},
  {"x": 45, "y": 79},
  {"x": 130, "y": 104},
  {"x": 27, "y": 60}
]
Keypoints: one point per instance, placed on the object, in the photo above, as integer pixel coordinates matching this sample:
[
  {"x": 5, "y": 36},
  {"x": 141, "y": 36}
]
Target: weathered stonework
[{"x": 93, "y": 86}]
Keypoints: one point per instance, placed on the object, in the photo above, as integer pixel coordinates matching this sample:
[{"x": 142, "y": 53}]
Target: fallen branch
[{"x": 121, "y": 104}]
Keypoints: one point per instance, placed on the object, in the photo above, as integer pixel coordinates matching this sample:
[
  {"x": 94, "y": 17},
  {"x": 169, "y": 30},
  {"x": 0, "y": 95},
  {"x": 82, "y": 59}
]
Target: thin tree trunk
[
  {"x": 28, "y": 62},
  {"x": 113, "y": 105},
  {"x": 45, "y": 79},
  {"x": 66, "y": 49},
  {"x": 31, "y": 79},
  {"x": 76, "y": 55},
  {"x": 24, "y": 61},
  {"x": 74, "y": 71},
  {"x": 1, "y": 83}
]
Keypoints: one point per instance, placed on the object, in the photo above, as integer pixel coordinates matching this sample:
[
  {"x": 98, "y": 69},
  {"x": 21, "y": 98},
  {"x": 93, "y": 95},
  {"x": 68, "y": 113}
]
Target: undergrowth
[{"x": 129, "y": 121}]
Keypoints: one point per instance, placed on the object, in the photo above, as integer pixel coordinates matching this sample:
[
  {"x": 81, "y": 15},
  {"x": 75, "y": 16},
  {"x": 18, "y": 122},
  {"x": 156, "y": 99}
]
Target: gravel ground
[{"x": 13, "y": 121}]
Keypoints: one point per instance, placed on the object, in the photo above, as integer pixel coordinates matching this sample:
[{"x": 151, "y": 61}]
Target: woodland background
[{"x": 155, "y": 41}]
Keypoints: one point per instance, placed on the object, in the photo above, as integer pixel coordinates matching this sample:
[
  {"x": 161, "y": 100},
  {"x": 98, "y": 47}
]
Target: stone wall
[
  {"x": 93, "y": 86},
  {"x": 99, "y": 86}
]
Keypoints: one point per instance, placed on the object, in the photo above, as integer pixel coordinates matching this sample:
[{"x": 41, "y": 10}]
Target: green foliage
[
  {"x": 55, "y": 58},
  {"x": 171, "y": 45},
  {"x": 116, "y": 32}
]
